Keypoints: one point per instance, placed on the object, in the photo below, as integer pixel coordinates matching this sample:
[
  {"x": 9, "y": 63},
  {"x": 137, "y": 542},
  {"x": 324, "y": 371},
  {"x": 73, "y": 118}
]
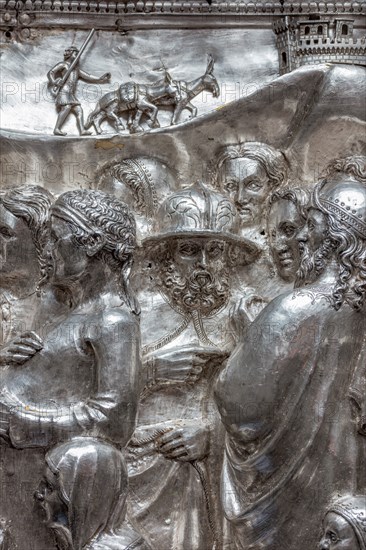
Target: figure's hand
[
  {"x": 105, "y": 77},
  {"x": 186, "y": 441},
  {"x": 19, "y": 350},
  {"x": 244, "y": 312},
  {"x": 183, "y": 364}
]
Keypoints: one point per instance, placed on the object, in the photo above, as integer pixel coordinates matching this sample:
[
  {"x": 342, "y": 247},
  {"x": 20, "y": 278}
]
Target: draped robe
[{"x": 291, "y": 442}]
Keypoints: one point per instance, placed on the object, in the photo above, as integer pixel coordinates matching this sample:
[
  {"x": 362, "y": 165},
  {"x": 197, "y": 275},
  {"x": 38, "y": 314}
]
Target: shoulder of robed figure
[{"x": 295, "y": 305}]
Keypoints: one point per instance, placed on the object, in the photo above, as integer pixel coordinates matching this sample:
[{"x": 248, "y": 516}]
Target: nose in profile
[{"x": 303, "y": 234}]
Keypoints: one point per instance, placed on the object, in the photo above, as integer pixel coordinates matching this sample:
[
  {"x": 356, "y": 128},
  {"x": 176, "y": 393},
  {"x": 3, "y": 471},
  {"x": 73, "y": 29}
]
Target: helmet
[
  {"x": 197, "y": 211},
  {"x": 345, "y": 199}
]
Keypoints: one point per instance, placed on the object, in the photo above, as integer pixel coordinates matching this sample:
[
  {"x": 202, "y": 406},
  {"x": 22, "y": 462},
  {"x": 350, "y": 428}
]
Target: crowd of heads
[{"x": 197, "y": 239}]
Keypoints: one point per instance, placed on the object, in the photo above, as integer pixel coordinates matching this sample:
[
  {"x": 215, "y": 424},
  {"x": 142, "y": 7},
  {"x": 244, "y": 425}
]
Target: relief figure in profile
[
  {"x": 344, "y": 524},
  {"x": 85, "y": 379},
  {"x": 83, "y": 494},
  {"x": 175, "y": 457},
  {"x": 286, "y": 216},
  {"x": 66, "y": 100},
  {"x": 287, "y": 210},
  {"x": 24, "y": 217},
  {"x": 295, "y": 362}
]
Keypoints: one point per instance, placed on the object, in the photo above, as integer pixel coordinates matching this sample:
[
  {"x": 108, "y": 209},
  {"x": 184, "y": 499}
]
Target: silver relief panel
[{"x": 183, "y": 275}]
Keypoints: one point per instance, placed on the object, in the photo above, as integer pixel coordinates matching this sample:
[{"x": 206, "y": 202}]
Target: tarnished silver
[
  {"x": 183, "y": 203},
  {"x": 194, "y": 242},
  {"x": 344, "y": 524},
  {"x": 139, "y": 99},
  {"x": 63, "y": 79},
  {"x": 297, "y": 358}
]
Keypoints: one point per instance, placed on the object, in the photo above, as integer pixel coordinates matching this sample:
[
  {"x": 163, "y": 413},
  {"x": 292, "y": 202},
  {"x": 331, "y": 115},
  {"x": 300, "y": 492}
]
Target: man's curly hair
[
  {"x": 354, "y": 165},
  {"x": 299, "y": 197},
  {"x": 350, "y": 286},
  {"x": 106, "y": 214},
  {"x": 111, "y": 217}
]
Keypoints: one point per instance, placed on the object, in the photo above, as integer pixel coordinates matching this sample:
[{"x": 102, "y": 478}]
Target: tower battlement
[{"x": 312, "y": 41}]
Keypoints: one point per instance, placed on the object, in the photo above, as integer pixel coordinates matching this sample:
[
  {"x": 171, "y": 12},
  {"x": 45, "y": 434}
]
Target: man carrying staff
[{"x": 65, "y": 89}]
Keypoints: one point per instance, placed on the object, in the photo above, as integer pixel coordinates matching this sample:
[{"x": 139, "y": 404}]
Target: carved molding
[{"x": 106, "y": 14}]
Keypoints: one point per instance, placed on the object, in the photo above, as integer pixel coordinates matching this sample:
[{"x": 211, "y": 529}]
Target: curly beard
[
  {"x": 314, "y": 263},
  {"x": 202, "y": 291}
]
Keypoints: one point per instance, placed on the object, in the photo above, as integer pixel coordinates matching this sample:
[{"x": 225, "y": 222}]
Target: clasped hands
[{"x": 183, "y": 364}]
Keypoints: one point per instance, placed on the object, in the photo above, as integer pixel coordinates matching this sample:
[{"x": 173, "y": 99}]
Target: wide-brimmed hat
[{"x": 198, "y": 211}]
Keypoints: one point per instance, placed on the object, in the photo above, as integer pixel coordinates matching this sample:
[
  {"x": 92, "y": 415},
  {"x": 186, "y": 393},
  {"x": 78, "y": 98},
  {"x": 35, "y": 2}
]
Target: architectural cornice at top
[{"x": 108, "y": 14}]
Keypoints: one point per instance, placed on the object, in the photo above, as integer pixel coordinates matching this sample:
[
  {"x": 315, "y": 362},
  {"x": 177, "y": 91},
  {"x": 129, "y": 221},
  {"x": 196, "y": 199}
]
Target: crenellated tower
[{"x": 317, "y": 40}]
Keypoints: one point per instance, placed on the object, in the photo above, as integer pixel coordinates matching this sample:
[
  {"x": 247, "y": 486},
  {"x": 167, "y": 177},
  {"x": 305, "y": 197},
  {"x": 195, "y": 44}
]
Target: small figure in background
[
  {"x": 64, "y": 87},
  {"x": 79, "y": 475}
]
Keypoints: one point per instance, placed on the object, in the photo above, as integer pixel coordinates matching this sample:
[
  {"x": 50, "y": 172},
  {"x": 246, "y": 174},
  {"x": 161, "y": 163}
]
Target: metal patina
[{"x": 183, "y": 275}]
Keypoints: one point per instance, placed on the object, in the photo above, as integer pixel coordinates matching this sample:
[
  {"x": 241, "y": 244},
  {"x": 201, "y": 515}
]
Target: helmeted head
[
  {"x": 344, "y": 525},
  {"x": 142, "y": 183},
  {"x": 285, "y": 217},
  {"x": 88, "y": 226},
  {"x": 196, "y": 239},
  {"x": 83, "y": 491},
  {"x": 248, "y": 173},
  {"x": 24, "y": 234},
  {"x": 336, "y": 228}
]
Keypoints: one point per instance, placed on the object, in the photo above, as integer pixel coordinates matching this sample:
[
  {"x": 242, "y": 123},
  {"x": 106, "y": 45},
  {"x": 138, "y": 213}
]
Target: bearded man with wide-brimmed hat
[{"x": 175, "y": 451}]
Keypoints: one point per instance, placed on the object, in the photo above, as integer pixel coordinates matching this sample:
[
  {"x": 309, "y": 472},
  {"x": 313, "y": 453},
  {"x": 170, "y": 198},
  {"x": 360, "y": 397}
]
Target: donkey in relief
[{"x": 139, "y": 99}]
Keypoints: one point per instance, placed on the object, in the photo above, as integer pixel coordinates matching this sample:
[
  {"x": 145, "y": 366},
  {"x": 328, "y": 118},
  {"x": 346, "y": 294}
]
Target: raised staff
[{"x": 63, "y": 78}]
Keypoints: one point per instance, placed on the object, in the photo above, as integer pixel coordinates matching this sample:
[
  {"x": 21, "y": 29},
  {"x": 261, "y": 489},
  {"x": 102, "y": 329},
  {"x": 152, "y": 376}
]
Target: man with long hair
[
  {"x": 85, "y": 379},
  {"x": 24, "y": 232},
  {"x": 248, "y": 172},
  {"x": 283, "y": 397}
]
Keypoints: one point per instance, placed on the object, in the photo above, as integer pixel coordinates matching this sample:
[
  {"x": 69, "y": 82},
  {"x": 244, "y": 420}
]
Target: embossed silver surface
[{"x": 183, "y": 275}]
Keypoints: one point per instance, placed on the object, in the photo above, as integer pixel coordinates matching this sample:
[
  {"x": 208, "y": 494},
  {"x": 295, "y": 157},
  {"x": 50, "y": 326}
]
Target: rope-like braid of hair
[
  {"x": 206, "y": 490},
  {"x": 197, "y": 322},
  {"x": 168, "y": 338}
]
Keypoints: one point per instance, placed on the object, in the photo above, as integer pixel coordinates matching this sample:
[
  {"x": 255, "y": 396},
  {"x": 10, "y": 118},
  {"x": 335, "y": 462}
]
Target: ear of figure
[{"x": 94, "y": 243}]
